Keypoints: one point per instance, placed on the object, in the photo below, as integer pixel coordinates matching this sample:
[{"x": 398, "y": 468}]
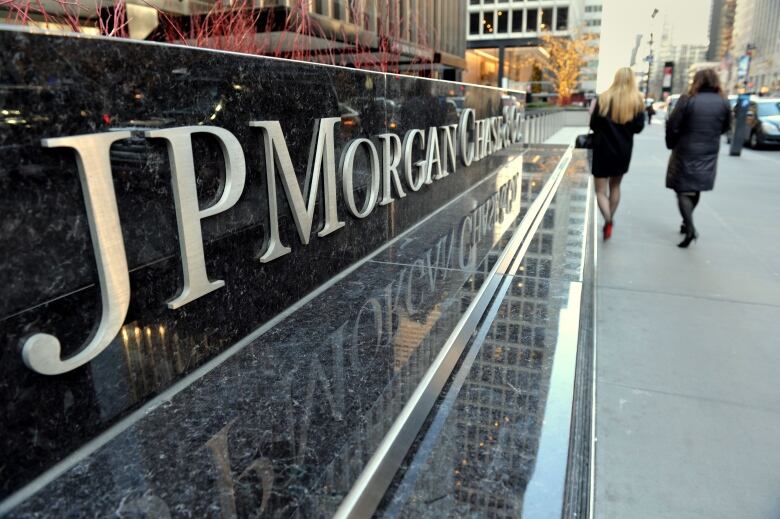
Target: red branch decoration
[{"x": 239, "y": 27}]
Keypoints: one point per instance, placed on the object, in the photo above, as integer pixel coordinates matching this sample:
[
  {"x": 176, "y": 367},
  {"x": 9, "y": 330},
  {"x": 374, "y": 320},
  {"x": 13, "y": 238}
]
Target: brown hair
[{"x": 705, "y": 80}]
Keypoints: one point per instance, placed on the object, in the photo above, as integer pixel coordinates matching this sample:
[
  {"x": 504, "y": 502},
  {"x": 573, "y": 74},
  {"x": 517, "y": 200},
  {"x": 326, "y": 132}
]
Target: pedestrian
[
  {"x": 650, "y": 113},
  {"x": 617, "y": 115},
  {"x": 693, "y": 133}
]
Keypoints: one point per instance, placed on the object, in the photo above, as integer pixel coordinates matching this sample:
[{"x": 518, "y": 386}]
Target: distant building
[
  {"x": 423, "y": 37},
  {"x": 502, "y": 34},
  {"x": 757, "y": 23},
  {"x": 721, "y": 29},
  {"x": 701, "y": 65},
  {"x": 682, "y": 56},
  {"x": 592, "y": 23},
  {"x": 714, "y": 32}
]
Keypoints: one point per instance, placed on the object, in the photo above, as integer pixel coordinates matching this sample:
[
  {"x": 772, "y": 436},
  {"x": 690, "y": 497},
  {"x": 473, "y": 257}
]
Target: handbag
[{"x": 584, "y": 141}]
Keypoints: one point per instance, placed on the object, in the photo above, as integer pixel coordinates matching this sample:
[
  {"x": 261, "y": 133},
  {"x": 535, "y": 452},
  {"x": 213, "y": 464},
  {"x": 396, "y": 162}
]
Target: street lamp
[{"x": 650, "y": 57}]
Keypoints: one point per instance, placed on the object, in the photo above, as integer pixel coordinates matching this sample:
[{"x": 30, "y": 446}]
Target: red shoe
[{"x": 607, "y": 231}]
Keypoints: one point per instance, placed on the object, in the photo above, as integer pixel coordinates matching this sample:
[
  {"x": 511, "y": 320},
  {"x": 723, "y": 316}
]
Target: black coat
[
  {"x": 693, "y": 134},
  {"x": 612, "y": 143}
]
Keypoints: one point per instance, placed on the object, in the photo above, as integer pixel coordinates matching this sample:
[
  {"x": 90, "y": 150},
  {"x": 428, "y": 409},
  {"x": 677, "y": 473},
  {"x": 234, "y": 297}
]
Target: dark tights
[{"x": 687, "y": 203}]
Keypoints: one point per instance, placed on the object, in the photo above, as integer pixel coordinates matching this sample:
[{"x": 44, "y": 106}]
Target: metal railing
[{"x": 538, "y": 126}]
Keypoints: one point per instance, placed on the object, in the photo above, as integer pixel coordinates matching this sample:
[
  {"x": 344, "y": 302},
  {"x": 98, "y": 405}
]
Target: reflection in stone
[
  {"x": 154, "y": 358},
  {"x": 484, "y": 457},
  {"x": 286, "y": 425}
]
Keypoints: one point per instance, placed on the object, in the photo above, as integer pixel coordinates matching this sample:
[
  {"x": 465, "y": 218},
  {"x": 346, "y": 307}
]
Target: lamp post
[{"x": 650, "y": 57}]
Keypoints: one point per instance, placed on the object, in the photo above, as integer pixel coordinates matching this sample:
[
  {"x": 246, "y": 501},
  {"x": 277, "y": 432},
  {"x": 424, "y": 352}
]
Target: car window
[{"x": 767, "y": 109}]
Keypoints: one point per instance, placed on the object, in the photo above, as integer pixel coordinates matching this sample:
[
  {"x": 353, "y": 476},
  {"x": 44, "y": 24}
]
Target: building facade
[
  {"x": 681, "y": 55},
  {"x": 419, "y": 37},
  {"x": 592, "y": 25},
  {"x": 504, "y": 34},
  {"x": 756, "y": 25}
]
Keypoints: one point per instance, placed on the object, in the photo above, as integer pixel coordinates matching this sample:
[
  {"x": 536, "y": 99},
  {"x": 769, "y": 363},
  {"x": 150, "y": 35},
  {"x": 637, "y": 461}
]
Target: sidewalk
[{"x": 688, "y": 349}]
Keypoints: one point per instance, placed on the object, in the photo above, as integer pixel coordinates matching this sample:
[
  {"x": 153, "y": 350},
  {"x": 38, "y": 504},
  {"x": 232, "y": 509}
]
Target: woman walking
[
  {"x": 693, "y": 134},
  {"x": 617, "y": 116}
]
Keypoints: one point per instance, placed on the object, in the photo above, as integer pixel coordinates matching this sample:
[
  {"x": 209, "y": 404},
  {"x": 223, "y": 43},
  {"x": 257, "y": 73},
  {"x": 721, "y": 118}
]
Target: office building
[
  {"x": 592, "y": 25},
  {"x": 504, "y": 35},
  {"x": 756, "y": 25},
  {"x": 421, "y": 37}
]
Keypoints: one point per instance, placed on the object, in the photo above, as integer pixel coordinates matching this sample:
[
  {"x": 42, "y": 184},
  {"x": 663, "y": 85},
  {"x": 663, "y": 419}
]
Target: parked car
[{"x": 762, "y": 122}]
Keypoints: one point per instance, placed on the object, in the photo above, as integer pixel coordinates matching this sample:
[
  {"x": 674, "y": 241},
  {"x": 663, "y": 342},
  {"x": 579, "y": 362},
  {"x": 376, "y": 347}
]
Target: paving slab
[
  {"x": 687, "y": 406},
  {"x": 684, "y": 457},
  {"x": 686, "y": 345}
]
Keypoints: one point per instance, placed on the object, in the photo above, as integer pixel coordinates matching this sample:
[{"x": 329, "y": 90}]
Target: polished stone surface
[
  {"x": 55, "y": 86},
  {"x": 286, "y": 424},
  {"x": 268, "y": 397},
  {"x": 498, "y": 443}
]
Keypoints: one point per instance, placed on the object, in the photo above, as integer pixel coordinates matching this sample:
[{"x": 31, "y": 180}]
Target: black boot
[
  {"x": 686, "y": 202},
  {"x": 689, "y": 237}
]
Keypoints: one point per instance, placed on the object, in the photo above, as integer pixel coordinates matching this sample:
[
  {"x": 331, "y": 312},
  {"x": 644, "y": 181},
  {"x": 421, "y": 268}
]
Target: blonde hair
[{"x": 622, "y": 101}]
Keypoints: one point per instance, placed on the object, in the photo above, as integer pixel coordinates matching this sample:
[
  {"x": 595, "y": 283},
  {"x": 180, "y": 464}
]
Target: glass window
[
  {"x": 503, "y": 21},
  {"x": 517, "y": 21},
  {"x": 547, "y": 18},
  {"x": 532, "y": 20},
  {"x": 474, "y": 2},
  {"x": 488, "y": 1},
  {"x": 474, "y": 23},
  {"x": 562, "y": 20},
  {"x": 766, "y": 109},
  {"x": 488, "y": 22}
]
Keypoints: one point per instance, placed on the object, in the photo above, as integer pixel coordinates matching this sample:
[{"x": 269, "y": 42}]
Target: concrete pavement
[{"x": 688, "y": 346}]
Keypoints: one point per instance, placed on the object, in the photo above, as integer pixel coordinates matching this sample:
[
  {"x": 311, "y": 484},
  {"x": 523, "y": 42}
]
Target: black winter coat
[
  {"x": 613, "y": 143},
  {"x": 693, "y": 134}
]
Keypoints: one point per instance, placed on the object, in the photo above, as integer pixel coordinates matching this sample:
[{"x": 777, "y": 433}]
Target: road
[{"x": 688, "y": 345}]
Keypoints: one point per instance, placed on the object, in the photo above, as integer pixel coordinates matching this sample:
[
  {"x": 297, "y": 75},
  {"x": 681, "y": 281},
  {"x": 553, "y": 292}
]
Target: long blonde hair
[{"x": 622, "y": 101}]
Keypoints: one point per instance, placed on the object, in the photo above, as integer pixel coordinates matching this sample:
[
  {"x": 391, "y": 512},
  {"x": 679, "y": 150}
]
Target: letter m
[{"x": 321, "y": 157}]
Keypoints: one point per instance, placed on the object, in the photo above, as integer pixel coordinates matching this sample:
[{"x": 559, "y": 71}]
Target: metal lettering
[
  {"x": 495, "y": 129},
  {"x": 448, "y": 137},
  {"x": 487, "y": 144},
  {"x": 347, "y": 168},
  {"x": 509, "y": 125},
  {"x": 41, "y": 351},
  {"x": 391, "y": 158},
  {"x": 408, "y": 146},
  {"x": 466, "y": 124},
  {"x": 433, "y": 157},
  {"x": 185, "y": 196},
  {"x": 478, "y": 140},
  {"x": 321, "y": 156}
]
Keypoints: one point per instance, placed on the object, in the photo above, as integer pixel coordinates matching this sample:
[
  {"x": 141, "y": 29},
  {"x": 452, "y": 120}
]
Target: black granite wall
[{"x": 54, "y": 86}]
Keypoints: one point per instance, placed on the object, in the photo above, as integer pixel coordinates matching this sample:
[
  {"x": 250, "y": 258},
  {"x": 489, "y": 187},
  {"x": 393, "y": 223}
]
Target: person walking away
[
  {"x": 650, "y": 113},
  {"x": 693, "y": 134},
  {"x": 617, "y": 115}
]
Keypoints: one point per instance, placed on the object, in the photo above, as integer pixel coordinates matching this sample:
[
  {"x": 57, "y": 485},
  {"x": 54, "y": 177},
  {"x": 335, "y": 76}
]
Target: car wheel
[{"x": 754, "y": 140}]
